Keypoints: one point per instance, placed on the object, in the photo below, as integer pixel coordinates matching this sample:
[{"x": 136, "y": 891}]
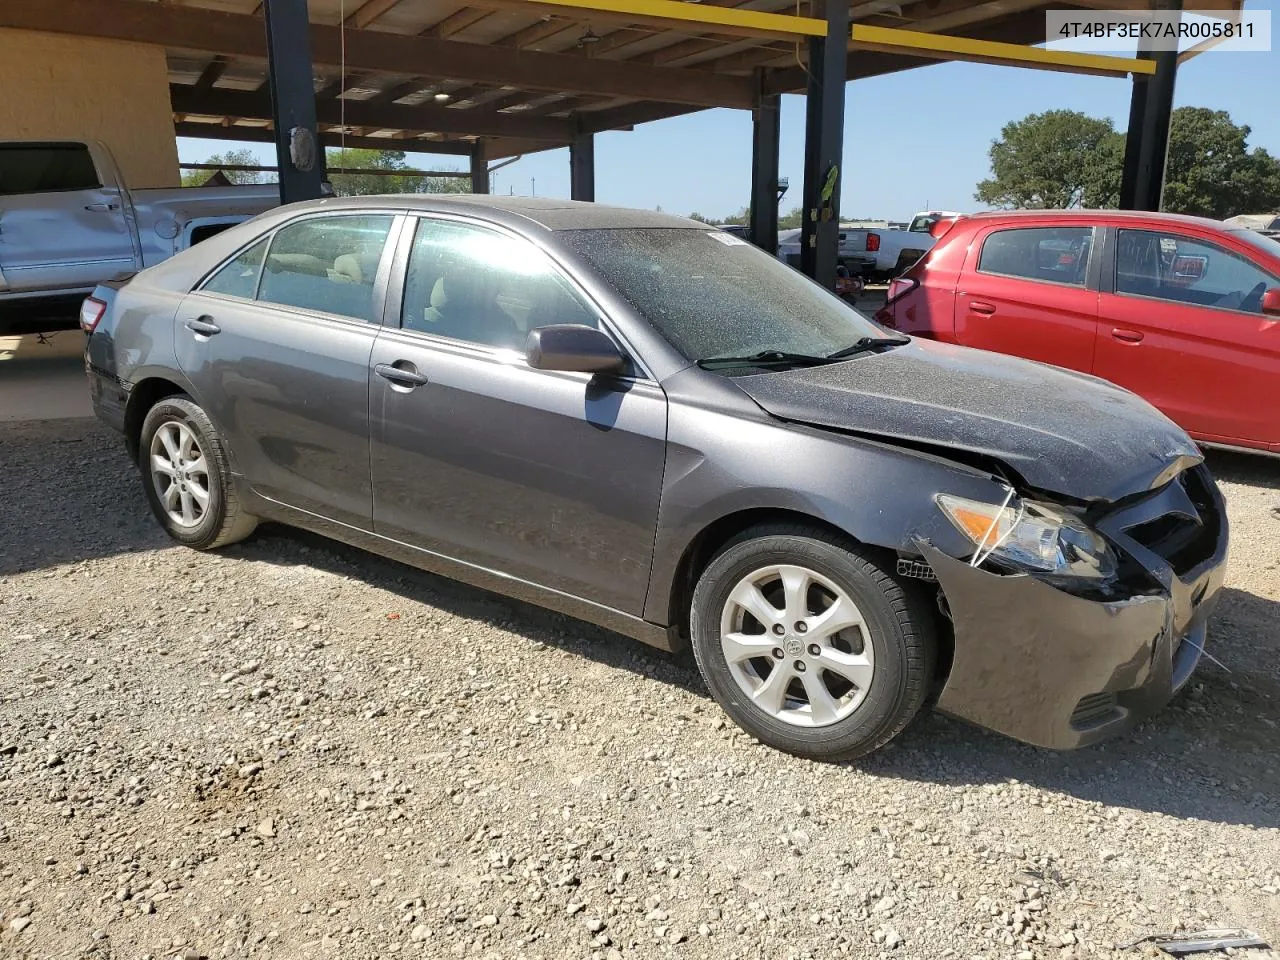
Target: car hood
[{"x": 1063, "y": 432}]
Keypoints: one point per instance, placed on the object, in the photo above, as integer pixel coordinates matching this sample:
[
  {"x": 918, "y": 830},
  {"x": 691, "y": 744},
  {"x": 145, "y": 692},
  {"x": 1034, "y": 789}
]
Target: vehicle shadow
[
  {"x": 1253, "y": 469},
  {"x": 278, "y": 544},
  {"x": 1209, "y": 755},
  {"x": 70, "y": 495}
]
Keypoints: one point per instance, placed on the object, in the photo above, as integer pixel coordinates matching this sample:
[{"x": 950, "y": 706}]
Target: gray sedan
[{"x": 651, "y": 425}]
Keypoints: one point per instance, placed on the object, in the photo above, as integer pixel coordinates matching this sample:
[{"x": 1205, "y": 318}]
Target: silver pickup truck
[{"x": 68, "y": 221}]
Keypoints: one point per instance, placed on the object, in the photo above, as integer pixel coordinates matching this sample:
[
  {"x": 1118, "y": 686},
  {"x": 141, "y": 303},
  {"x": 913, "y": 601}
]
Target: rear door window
[
  {"x": 238, "y": 277},
  {"x": 1050, "y": 254},
  {"x": 1178, "y": 269},
  {"x": 46, "y": 168},
  {"x": 327, "y": 264}
]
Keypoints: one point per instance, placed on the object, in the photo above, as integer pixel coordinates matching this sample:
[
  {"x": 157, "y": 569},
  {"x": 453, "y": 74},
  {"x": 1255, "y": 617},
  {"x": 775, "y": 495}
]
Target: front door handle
[
  {"x": 405, "y": 376},
  {"x": 1127, "y": 336},
  {"x": 982, "y": 308},
  {"x": 203, "y": 327},
  {"x": 102, "y": 207}
]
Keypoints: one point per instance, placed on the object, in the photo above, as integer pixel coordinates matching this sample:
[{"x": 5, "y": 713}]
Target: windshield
[
  {"x": 922, "y": 223},
  {"x": 1264, "y": 243},
  {"x": 711, "y": 294}
]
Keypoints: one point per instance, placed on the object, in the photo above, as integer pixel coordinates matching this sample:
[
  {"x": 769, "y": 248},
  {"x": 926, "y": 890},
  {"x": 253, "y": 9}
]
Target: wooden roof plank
[
  {"x": 186, "y": 99},
  {"x": 192, "y": 28},
  {"x": 267, "y": 135}
]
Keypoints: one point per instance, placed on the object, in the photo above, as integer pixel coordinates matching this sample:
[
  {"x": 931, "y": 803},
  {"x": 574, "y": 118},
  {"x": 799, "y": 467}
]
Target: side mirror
[
  {"x": 1271, "y": 302},
  {"x": 573, "y": 347}
]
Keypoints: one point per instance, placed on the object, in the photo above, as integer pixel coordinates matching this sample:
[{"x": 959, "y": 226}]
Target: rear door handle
[
  {"x": 203, "y": 327},
  {"x": 1127, "y": 336},
  {"x": 982, "y": 307},
  {"x": 102, "y": 207},
  {"x": 404, "y": 377}
]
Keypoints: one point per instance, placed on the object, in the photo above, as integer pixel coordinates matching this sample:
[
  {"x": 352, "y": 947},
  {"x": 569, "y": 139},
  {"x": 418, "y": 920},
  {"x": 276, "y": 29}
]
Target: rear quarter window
[{"x": 238, "y": 277}]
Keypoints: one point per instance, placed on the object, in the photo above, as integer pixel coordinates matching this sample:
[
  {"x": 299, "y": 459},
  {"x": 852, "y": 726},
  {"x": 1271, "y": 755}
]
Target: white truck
[
  {"x": 877, "y": 255},
  {"x": 68, "y": 221}
]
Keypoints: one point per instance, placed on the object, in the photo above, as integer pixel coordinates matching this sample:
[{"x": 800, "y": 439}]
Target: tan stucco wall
[{"x": 83, "y": 88}]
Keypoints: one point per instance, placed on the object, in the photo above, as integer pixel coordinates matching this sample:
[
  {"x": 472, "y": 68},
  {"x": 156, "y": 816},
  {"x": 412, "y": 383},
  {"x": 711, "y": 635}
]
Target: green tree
[
  {"x": 741, "y": 218},
  {"x": 368, "y": 184},
  {"x": 1102, "y": 171},
  {"x": 1044, "y": 160},
  {"x": 792, "y": 220},
  {"x": 1065, "y": 159},
  {"x": 1211, "y": 172},
  {"x": 232, "y": 158}
]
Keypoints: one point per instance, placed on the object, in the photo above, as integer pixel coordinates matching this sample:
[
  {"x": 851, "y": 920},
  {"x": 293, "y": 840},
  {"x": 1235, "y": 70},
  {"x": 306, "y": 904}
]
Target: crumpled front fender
[{"x": 1027, "y": 653}]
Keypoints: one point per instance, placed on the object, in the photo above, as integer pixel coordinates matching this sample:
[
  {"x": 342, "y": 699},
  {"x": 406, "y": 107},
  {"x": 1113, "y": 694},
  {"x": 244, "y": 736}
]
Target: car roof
[
  {"x": 1098, "y": 215},
  {"x": 547, "y": 212}
]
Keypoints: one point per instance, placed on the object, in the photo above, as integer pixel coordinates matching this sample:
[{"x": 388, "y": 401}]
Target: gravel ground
[{"x": 292, "y": 749}]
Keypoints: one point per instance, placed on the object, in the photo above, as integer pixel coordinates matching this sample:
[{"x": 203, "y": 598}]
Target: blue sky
[{"x": 913, "y": 140}]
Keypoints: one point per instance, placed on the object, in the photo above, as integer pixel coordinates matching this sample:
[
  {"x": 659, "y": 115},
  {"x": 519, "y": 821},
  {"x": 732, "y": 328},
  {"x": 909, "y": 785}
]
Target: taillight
[
  {"x": 899, "y": 286},
  {"x": 873, "y": 242},
  {"x": 91, "y": 312}
]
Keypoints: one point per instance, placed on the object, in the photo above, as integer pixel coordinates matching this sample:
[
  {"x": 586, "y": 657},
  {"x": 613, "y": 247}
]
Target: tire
[
  {"x": 882, "y": 667},
  {"x": 219, "y": 520}
]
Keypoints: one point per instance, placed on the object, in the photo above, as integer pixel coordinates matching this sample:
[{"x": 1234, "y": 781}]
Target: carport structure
[{"x": 490, "y": 79}]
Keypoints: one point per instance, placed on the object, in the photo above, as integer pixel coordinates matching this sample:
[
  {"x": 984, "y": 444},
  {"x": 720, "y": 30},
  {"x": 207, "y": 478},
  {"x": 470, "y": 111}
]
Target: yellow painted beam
[
  {"x": 673, "y": 14},
  {"x": 940, "y": 47}
]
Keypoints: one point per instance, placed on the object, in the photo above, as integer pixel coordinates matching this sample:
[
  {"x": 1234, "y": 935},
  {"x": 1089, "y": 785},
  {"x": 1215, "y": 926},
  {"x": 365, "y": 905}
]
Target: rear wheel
[
  {"x": 187, "y": 476},
  {"x": 809, "y": 643}
]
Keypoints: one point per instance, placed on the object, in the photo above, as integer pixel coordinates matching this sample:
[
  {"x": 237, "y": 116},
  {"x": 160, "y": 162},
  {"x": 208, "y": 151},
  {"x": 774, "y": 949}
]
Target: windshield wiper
[
  {"x": 867, "y": 344},
  {"x": 765, "y": 358}
]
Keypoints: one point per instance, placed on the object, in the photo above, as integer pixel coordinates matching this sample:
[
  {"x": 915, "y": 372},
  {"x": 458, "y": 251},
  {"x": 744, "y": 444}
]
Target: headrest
[
  {"x": 347, "y": 269},
  {"x": 456, "y": 290}
]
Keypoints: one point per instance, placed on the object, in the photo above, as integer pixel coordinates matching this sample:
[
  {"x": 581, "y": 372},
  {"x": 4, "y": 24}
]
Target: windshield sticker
[{"x": 728, "y": 239}]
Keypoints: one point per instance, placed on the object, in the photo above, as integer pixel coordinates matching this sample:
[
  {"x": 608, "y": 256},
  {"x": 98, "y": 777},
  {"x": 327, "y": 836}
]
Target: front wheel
[
  {"x": 187, "y": 477},
  {"x": 809, "y": 643}
]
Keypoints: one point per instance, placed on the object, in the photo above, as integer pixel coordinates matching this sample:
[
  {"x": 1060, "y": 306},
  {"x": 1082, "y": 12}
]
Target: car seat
[{"x": 463, "y": 306}]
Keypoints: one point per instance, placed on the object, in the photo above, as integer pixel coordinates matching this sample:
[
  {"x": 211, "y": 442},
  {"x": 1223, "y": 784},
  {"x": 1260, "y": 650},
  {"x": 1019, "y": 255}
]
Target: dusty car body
[{"x": 807, "y": 521}]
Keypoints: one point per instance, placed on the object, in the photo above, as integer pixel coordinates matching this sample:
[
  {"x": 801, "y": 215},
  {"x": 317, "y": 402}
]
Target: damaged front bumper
[{"x": 1059, "y": 670}]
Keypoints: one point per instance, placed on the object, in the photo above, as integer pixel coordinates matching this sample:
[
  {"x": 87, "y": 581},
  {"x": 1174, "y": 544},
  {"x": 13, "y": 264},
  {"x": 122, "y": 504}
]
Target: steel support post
[
  {"x": 582, "y": 167},
  {"x": 824, "y": 145},
  {"x": 479, "y": 169},
  {"x": 764, "y": 173},
  {"x": 299, "y": 155},
  {"x": 1146, "y": 145}
]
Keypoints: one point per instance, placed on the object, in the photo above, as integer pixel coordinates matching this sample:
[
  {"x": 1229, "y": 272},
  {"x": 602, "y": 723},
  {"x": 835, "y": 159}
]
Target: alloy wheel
[
  {"x": 797, "y": 645},
  {"x": 180, "y": 473}
]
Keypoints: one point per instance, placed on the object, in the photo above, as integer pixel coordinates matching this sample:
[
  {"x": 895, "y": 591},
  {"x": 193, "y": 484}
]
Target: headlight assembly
[{"x": 1030, "y": 535}]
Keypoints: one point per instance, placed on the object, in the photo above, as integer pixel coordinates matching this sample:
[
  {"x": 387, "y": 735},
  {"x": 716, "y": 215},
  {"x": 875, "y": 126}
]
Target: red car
[{"x": 1182, "y": 311}]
